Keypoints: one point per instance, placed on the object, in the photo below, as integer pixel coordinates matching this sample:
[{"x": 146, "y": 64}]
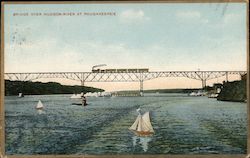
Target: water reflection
[
  {"x": 142, "y": 141},
  {"x": 40, "y": 111}
]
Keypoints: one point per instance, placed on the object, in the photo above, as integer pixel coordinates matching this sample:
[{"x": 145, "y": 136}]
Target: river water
[{"x": 182, "y": 124}]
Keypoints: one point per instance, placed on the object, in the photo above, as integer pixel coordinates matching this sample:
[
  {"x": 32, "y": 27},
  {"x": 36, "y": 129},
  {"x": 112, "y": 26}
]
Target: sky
[{"x": 158, "y": 36}]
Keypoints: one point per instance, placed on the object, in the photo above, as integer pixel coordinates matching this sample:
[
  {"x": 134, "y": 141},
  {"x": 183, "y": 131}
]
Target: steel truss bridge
[{"x": 140, "y": 77}]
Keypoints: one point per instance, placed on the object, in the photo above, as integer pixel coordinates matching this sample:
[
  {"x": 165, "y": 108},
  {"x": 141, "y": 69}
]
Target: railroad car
[{"x": 120, "y": 70}]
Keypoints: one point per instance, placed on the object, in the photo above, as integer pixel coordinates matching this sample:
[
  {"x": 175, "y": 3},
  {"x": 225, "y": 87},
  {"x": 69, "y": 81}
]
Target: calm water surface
[{"x": 183, "y": 125}]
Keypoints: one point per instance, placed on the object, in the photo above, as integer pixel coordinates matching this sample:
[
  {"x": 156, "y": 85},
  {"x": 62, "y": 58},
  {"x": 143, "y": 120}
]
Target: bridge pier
[
  {"x": 82, "y": 83},
  {"x": 226, "y": 76},
  {"x": 141, "y": 87},
  {"x": 203, "y": 82}
]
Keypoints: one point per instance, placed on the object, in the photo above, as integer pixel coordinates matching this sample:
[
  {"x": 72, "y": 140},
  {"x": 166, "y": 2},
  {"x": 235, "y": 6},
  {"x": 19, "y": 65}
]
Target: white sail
[
  {"x": 139, "y": 127},
  {"x": 39, "y": 105},
  {"x": 134, "y": 126},
  {"x": 138, "y": 110},
  {"x": 20, "y": 95},
  {"x": 147, "y": 126},
  {"x": 142, "y": 124}
]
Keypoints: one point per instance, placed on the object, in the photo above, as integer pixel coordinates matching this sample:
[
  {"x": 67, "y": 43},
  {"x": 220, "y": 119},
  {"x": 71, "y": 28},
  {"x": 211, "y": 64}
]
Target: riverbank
[
  {"x": 233, "y": 91},
  {"x": 39, "y": 88},
  {"x": 164, "y": 90}
]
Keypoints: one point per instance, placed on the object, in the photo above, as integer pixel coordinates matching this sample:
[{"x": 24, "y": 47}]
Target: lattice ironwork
[
  {"x": 121, "y": 77},
  {"x": 83, "y": 77}
]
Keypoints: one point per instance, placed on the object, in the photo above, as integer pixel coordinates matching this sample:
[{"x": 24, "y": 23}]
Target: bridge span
[{"x": 83, "y": 77}]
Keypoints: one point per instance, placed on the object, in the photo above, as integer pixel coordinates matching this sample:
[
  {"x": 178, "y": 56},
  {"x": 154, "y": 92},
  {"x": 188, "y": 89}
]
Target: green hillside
[{"x": 39, "y": 88}]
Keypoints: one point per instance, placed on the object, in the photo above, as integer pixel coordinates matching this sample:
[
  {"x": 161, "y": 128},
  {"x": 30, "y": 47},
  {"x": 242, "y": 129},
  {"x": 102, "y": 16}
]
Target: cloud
[
  {"x": 133, "y": 16},
  {"x": 46, "y": 56}
]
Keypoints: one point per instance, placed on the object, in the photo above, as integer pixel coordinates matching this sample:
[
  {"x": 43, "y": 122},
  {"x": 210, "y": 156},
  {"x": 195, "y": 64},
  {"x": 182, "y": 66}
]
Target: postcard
[{"x": 123, "y": 78}]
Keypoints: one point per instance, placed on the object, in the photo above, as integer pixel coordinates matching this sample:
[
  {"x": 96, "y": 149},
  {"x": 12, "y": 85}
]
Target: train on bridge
[
  {"x": 96, "y": 69},
  {"x": 120, "y": 70}
]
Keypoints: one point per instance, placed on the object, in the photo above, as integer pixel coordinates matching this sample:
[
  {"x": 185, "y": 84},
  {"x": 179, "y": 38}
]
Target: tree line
[{"x": 40, "y": 88}]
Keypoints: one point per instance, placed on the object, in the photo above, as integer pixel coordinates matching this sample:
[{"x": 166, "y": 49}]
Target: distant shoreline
[
  {"x": 175, "y": 90},
  {"x": 232, "y": 92},
  {"x": 13, "y": 88}
]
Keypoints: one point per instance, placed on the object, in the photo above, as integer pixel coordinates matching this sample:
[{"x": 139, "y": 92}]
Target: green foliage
[
  {"x": 39, "y": 88},
  {"x": 233, "y": 91},
  {"x": 213, "y": 88}
]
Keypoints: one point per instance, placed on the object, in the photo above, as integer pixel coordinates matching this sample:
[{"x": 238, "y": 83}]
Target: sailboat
[
  {"x": 39, "y": 105},
  {"x": 20, "y": 95},
  {"x": 142, "y": 125}
]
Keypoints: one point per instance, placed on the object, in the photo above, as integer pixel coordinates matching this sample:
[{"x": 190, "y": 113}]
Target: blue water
[{"x": 183, "y": 125}]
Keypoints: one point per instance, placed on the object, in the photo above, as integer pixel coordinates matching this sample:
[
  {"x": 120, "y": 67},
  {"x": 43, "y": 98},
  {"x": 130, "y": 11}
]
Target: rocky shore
[{"x": 233, "y": 91}]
